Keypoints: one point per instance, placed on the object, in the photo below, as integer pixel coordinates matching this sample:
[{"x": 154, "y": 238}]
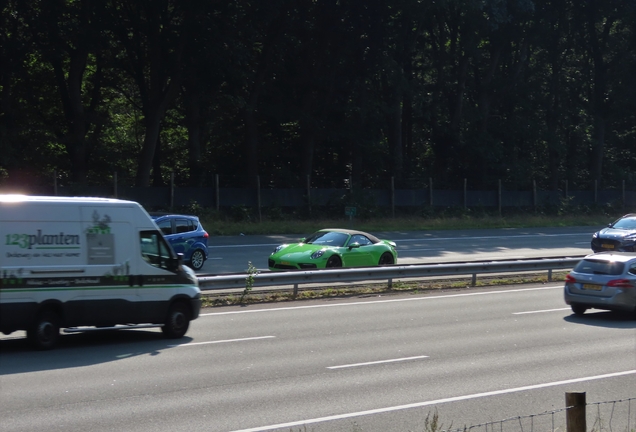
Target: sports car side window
[
  {"x": 632, "y": 269},
  {"x": 360, "y": 239}
]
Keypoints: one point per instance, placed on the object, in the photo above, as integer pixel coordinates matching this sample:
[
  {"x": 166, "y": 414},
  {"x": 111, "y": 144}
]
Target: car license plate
[
  {"x": 285, "y": 263},
  {"x": 607, "y": 246},
  {"x": 592, "y": 287}
]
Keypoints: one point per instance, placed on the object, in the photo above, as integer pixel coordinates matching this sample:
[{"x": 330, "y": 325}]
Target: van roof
[{"x": 13, "y": 198}]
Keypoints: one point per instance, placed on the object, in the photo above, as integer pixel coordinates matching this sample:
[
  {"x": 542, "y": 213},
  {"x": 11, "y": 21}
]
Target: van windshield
[{"x": 155, "y": 251}]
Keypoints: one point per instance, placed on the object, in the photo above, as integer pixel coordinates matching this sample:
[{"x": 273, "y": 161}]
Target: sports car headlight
[
  {"x": 278, "y": 248},
  {"x": 317, "y": 254}
]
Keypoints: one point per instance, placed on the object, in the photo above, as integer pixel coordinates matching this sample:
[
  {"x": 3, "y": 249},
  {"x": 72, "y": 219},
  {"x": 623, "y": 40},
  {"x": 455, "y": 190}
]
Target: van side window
[{"x": 155, "y": 251}]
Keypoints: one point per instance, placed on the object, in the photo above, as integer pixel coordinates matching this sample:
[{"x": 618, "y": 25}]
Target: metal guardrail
[{"x": 387, "y": 273}]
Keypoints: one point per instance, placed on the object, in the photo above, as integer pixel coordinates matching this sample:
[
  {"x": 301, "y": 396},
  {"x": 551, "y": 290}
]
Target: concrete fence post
[{"x": 575, "y": 411}]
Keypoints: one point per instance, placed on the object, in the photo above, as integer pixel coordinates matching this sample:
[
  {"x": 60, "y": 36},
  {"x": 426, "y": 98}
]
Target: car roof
[
  {"x": 612, "y": 256},
  {"x": 172, "y": 215},
  {"x": 373, "y": 238}
]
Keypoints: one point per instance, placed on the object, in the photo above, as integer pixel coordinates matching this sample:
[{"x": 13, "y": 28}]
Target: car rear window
[{"x": 602, "y": 267}]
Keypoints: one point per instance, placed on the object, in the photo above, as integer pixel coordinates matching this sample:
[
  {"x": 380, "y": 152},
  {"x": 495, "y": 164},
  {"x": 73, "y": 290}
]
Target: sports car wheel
[
  {"x": 197, "y": 259},
  {"x": 334, "y": 261},
  {"x": 386, "y": 259}
]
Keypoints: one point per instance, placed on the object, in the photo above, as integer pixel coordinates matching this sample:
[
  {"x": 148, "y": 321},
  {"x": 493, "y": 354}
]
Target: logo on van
[
  {"x": 44, "y": 241},
  {"x": 99, "y": 226}
]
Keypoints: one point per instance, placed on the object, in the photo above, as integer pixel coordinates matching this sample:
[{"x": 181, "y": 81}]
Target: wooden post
[
  {"x": 309, "y": 194},
  {"x": 499, "y": 196},
  {"x": 430, "y": 191},
  {"x": 575, "y": 411},
  {"x": 216, "y": 191},
  {"x": 623, "y": 194},
  {"x": 115, "y": 184},
  {"x": 258, "y": 198},
  {"x": 393, "y": 197},
  {"x": 465, "y": 192},
  {"x": 171, "y": 190}
]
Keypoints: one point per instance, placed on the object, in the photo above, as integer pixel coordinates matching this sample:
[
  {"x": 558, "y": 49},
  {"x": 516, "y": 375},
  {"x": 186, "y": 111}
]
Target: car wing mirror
[
  {"x": 354, "y": 245},
  {"x": 302, "y": 240}
]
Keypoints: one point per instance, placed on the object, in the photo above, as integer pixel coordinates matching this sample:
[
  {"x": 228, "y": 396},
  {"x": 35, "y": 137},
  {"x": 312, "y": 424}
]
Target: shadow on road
[
  {"x": 618, "y": 320},
  {"x": 82, "y": 349}
]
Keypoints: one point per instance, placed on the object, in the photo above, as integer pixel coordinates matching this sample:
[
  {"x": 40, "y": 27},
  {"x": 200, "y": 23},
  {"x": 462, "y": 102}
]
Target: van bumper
[{"x": 195, "y": 306}]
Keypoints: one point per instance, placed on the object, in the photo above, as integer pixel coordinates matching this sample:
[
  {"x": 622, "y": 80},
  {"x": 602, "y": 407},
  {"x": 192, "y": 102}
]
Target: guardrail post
[
  {"x": 390, "y": 283},
  {"x": 550, "y": 275},
  {"x": 575, "y": 411},
  {"x": 473, "y": 281},
  {"x": 295, "y": 290}
]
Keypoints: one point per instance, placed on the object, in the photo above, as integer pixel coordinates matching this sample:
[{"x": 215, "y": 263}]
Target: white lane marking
[
  {"x": 221, "y": 341},
  {"x": 381, "y": 301},
  {"x": 215, "y": 258},
  {"x": 540, "y": 311},
  {"x": 376, "y": 362},
  {"x": 435, "y": 402},
  {"x": 402, "y": 251}
]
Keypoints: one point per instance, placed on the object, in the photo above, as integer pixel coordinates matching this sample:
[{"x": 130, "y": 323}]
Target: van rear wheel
[
  {"x": 45, "y": 332},
  {"x": 177, "y": 321}
]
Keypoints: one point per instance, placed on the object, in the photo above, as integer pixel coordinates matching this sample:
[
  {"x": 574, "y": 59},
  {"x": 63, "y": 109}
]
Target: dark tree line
[{"x": 517, "y": 90}]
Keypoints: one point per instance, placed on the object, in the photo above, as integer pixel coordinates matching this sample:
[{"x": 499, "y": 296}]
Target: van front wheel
[
  {"x": 45, "y": 331},
  {"x": 177, "y": 322}
]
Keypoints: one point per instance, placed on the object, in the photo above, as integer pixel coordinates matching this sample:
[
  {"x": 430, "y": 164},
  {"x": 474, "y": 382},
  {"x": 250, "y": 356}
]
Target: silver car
[{"x": 604, "y": 280}]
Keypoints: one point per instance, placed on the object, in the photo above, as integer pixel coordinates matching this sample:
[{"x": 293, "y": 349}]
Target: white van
[{"x": 88, "y": 263}]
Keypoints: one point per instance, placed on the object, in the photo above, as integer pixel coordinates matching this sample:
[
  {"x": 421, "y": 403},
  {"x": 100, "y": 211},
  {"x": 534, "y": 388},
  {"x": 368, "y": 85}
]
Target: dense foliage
[{"x": 332, "y": 89}]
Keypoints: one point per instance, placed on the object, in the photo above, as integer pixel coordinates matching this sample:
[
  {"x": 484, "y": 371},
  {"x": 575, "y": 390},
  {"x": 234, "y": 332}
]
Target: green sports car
[{"x": 333, "y": 248}]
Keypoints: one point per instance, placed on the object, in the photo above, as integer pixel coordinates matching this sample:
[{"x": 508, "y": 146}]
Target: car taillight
[
  {"x": 620, "y": 283},
  {"x": 206, "y": 235},
  {"x": 570, "y": 279}
]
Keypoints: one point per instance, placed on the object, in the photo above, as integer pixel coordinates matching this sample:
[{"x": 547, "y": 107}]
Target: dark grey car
[
  {"x": 603, "y": 280},
  {"x": 619, "y": 236}
]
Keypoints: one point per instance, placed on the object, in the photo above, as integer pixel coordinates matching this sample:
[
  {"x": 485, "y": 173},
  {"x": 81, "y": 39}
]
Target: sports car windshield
[
  {"x": 328, "y": 238},
  {"x": 626, "y": 223}
]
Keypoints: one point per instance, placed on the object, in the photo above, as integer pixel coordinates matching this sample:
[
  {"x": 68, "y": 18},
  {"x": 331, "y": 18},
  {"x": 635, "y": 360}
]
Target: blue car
[{"x": 187, "y": 237}]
